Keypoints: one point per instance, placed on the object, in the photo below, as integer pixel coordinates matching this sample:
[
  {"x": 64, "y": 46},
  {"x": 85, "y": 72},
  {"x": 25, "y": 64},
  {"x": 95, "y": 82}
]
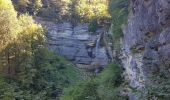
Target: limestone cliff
[
  {"x": 89, "y": 51},
  {"x": 146, "y": 42}
]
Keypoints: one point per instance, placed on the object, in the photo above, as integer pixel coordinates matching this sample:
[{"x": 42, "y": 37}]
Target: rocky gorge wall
[
  {"x": 146, "y": 43},
  {"x": 89, "y": 51}
]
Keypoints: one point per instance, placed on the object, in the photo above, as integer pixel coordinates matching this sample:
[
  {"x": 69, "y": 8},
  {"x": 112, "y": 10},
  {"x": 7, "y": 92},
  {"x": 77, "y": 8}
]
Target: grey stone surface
[
  {"x": 76, "y": 44},
  {"x": 148, "y": 34}
]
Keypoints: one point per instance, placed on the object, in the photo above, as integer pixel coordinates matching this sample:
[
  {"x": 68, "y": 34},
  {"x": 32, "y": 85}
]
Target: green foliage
[
  {"x": 85, "y": 90},
  {"x": 55, "y": 70},
  {"x": 87, "y": 10},
  {"x": 6, "y": 4},
  {"x": 42, "y": 77},
  {"x": 134, "y": 50},
  {"x": 158, "y": 91},
  {"x": 8, "y": 22},
  {"x": 41, "y": 74},
  {"x": 37, "y": 5},
  {"x": 22, "y": 5},
  {"x": 28, "y": 6},
  {"x": 30, "y": 71},
  {"x": 49, "y": 74},
  {"x": 57, "y": 10},
  {"x": 106, "y": 86},
  {"x": 6, "y": 90},
  {"x": 111, "y": 76},
  {"x": 93, "y": 26},
  {"x": 118, "y": 9},
  {"x": 110, "y": 83}
]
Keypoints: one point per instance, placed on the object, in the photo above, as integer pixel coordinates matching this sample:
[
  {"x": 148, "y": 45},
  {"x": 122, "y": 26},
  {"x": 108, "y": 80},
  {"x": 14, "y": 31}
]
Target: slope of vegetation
[
  {"x": 118, "y": 9},
  {"x": 105, "y": 86},
  {"x": 29, "y": 71},
  {"x": 71, "y": 10},
  {"x": 87, "y": 10},
  {"x": 94, "y": 12},
  {"x": 29, "y": 6}
]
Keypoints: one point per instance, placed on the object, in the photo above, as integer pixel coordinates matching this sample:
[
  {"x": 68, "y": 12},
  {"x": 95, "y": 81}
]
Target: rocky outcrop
[
  {"x": 146, "y": 42},
  {"x": 76, "y": 44}
]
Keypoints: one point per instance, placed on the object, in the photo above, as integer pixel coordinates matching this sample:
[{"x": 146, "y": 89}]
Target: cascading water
[{"x": 98, "y": 44}]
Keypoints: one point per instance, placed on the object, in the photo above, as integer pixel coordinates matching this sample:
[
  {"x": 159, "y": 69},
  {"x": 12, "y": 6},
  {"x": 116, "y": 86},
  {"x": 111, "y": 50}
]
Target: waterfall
[
  {"x": 98, "y": 44},
  {"x": 107, "y": 46}
]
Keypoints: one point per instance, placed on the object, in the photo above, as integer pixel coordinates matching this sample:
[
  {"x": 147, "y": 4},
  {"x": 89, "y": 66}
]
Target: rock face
[
  {"x": 146, "y": 42},
  {"x": 77, "y": 44}
]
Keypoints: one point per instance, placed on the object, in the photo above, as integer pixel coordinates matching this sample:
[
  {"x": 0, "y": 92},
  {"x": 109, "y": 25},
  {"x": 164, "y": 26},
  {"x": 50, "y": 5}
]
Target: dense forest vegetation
[{"x": 29, "y": 71}]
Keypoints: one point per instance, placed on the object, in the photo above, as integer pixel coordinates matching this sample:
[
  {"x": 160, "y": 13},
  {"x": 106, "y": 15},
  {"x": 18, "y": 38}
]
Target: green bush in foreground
[
  {"x": 93, "y": 26},
  {"x": 157, "y": 91},
  {"x": 43, "y": 81},
  {"x": 105, "y": 86}
]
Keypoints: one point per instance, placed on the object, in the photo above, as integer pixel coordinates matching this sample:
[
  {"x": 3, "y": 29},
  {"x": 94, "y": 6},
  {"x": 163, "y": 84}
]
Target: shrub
[
  {"x": 118, "y": 10},
  {"x": 88, "y": 10},
  {"x": 85, "y": 90},
  {"x": 93, "y": 26},
  {"x": 106, "y": 86},
  {"x": 157, "y": 91},
  {"x": 8, "y": 22},
  {"x": 110, "y": 83},
  {"x": 31, "y": 71}
]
